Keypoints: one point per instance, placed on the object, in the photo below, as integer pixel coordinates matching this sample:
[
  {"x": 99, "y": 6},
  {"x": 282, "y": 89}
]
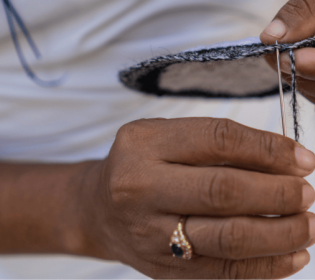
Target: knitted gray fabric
[{"x": 170, "y": 75}]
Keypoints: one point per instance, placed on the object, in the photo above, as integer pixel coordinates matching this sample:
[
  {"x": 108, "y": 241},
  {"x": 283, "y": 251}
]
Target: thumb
[{"x": 294, "y": 22}]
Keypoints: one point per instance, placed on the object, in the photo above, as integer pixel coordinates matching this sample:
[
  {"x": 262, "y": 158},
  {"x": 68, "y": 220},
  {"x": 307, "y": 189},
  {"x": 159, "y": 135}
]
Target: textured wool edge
[{"x": 225, "y": 44}]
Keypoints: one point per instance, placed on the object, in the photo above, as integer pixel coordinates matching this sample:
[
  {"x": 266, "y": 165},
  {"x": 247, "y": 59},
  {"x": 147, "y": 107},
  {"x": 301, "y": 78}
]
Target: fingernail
[
  {"x": 308, "y": 197},
  {"x": 276, "y": 29},
  {"x": 305, "y": 159},
  {"x": 301, "y": 259}
]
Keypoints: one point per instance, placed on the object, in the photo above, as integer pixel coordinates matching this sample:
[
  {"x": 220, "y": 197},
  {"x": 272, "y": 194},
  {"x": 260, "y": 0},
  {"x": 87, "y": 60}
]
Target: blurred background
[{"x": 89, "y": 42}]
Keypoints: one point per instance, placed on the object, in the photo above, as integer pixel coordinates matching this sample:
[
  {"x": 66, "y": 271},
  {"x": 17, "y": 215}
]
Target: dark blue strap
[
  {"x": 23, "y": 27},
  {"x": 10, "y": 11}
]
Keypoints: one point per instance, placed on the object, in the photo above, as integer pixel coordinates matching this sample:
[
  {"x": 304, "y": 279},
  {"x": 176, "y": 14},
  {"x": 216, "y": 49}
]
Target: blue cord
[{"x": 11, "y": 14}]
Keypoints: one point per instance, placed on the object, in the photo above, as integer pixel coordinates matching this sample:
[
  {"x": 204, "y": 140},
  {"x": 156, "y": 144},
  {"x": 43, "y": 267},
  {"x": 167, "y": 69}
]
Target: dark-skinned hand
[
  {"x": 225, "y": 176},
  {"x": 295, "y": 22}
]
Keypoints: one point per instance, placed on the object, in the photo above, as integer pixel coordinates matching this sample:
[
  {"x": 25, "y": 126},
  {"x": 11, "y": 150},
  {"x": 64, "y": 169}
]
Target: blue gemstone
[{"x": 177, "y": 251}]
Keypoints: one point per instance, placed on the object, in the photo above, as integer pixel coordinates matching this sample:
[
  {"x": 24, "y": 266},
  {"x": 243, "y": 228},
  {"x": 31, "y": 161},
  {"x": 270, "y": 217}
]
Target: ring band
[{"x": 181, "y": 247}]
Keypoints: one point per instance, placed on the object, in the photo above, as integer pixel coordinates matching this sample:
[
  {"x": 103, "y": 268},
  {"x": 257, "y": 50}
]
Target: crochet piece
[{"x": 233, "y": 71}]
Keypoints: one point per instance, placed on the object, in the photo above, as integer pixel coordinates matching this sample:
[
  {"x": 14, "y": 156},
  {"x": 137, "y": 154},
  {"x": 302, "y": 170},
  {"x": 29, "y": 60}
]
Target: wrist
[
  {"x": 89, "y": 236},
  {"x": 43, "y": 206}
]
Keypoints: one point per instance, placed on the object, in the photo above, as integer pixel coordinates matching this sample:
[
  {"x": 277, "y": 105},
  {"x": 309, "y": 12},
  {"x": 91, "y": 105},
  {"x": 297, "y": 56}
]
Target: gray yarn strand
[{"x": 294, "y": 100}]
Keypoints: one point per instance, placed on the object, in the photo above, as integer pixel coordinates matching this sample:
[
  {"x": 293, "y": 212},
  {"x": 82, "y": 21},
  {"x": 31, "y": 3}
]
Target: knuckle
[
  {"x": 235, "y": 269},
  {"x": 125, "y": 130},
  {"x": 268, "y": 149},
  {"x": 137, "y": 134},
  {"x": 234, "y": 239},
  {"x": 222, "y": 194},
  {"x": 128, "y": 167},
  {"x": 221, "y": 134},
  {"x": 130, "y": 132}
]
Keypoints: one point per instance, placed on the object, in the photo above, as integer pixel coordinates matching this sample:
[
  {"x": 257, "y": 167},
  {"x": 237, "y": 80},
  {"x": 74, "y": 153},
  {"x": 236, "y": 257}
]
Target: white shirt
[{"x": 90, "y": 41}]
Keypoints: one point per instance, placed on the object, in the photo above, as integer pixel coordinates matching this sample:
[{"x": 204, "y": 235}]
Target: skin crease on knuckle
[
  {"x": 222, "y": 193},
  {"x": 234, "y": 239},
  {"x": 268, "y": 145},
  {"x": 221, "y": 137}
]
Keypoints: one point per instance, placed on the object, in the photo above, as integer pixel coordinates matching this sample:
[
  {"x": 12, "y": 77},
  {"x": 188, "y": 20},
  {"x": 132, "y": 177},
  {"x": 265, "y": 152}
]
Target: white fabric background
[{"x": 90, "y": 41}]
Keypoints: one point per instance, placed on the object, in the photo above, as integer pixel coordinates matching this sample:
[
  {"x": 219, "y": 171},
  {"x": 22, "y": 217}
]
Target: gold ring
[{"x": 181, "y": 247}]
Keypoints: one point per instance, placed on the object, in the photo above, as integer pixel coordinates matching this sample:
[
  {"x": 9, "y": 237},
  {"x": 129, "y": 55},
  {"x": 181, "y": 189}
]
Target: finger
[
  {"x": 304, "y": 86},
  {"x": 304, "y": 63},
  {"x": 304, "y": 81},
  {"x": 208, "y": 141},
  {"x": 218, "y": 191},
  {"x": 272, "y": 267},
  {"x": 238, "y": 238},
  {"x": 247, "y": 237},
  {"x": 294, "y": 22}
]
